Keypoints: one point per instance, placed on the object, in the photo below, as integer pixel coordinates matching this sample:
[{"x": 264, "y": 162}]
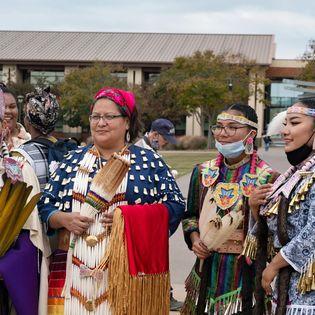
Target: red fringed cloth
[{"x": 138, "y": 261}]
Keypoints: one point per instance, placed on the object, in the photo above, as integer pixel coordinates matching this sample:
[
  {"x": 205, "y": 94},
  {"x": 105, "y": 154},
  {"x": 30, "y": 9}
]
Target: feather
[{"x": 276, "y": 125}]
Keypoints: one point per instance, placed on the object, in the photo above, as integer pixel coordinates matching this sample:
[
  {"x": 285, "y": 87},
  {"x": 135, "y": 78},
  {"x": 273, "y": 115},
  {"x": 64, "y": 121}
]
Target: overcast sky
[{"x": 291, "y": 21}]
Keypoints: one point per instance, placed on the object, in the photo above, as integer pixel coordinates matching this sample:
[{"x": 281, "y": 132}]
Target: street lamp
[
  {"x": 20, "y": 99},
  {"x": 230, "y": 85}
]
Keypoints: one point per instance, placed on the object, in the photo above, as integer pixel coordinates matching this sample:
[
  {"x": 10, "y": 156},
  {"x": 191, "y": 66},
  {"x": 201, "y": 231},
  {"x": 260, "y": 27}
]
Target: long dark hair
[
  {"x": 247, "y": 270},
  {"x": 6, "y": 90},
  {"x": 261, "y": 258}
]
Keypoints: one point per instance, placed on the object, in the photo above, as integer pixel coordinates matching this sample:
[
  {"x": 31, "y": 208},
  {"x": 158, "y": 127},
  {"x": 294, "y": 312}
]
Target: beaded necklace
[
  {"x": 86, "y": 252},
  {"x": 226, "y": 193}
]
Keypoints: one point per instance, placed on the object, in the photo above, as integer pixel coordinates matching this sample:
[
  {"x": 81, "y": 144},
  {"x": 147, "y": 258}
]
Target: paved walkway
[{"x": 181, "y": 259}]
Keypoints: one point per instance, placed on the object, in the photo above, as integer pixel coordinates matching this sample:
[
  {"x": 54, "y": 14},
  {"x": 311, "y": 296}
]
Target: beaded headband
[
  {"x": 240, "y": 119},
  {"x": 301, "y": 110}
]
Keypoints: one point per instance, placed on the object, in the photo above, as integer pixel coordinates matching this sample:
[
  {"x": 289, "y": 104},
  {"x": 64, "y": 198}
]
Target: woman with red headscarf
[{"x": 80, "y": 200}]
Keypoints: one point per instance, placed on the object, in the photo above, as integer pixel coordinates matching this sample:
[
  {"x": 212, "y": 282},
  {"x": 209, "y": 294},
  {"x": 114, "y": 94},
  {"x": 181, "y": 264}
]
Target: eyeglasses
[
  {"x": 229, "y": 130},
  {"x": 107, "y": 117}
]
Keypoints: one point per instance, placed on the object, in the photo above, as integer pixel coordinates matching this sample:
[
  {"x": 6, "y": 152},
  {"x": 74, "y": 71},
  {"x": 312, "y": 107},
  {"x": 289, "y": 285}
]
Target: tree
[
  {"x": 154, "y": 102},
  {"x": 308, "y": 72},
  {"x": 204, "y": 84},
  {"x": 79, "y": 87}
]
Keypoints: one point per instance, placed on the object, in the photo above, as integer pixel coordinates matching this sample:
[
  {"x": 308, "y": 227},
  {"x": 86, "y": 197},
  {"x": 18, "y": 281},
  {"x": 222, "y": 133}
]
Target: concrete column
[
  {"x": 11, "y": 73},
  {"x": 193, "y": 128},
  {"x": 257, "y": 96},
  {"x": 134, "y": 76}
]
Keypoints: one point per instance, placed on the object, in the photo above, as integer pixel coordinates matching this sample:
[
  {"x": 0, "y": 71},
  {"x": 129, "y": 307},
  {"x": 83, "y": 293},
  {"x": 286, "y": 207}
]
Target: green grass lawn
[{"x": 184, "y": 161}]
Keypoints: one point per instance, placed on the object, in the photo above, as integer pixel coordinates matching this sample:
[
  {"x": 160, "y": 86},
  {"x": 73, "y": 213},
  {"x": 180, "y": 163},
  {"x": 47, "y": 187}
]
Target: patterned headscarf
[
  {"x": 42, "y": 110},
  {"x": 122, "y": 98}
]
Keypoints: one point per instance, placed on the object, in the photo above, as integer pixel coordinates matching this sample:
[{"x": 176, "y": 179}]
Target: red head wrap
[{"x": 122, "y": 98}]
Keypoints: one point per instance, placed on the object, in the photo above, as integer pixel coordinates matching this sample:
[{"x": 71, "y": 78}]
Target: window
[
  {"x": 121, "y": 76},
  {"x": 280, "y": 96},
  {"x": 46, "y": 77},
  {"x": 151, "y": 77}
]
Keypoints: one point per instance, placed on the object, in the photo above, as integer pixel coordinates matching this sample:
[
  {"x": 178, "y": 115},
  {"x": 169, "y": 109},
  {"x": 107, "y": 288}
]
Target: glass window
[
  {"x": 279, "y": 89},
  {"x": 151, "y": 77},
  {"x": 46, "y": 77},
  {"x": 281, "y": 96},
  {"x": 122, "y": 76}
]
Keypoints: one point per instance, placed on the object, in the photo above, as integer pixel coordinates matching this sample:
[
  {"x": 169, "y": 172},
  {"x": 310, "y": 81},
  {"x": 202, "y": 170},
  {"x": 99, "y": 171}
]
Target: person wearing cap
[{"x": 161, "y": 133}]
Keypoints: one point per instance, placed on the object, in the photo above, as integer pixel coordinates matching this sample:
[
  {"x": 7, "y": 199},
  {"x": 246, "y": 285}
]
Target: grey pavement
[{"x": 181, "y": 258}]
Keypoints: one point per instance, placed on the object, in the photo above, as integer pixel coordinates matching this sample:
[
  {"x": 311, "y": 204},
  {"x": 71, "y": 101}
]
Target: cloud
[{"x": 291, "y": 21}]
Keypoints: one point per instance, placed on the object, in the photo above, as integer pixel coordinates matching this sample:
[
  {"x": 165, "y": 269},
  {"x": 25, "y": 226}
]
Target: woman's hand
[
  {"x": 72, "y": 221},
  {"x": 267, "y": 277},
  {"x": 198, "y": 247},
  {"x": 107, "y": 219},
  {"x": 271, "y": 271},
  {"x": 258, "y": 198},
  {"x": 77, "y": 223}
]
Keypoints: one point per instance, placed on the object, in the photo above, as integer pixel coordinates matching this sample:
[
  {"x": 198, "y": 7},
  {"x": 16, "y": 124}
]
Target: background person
[
  {"x": 161, "y": 133},
  {"x": 41, "y": 114},
  {"x": 26, "y": 258},
  {"x": 15, "y": 133}
]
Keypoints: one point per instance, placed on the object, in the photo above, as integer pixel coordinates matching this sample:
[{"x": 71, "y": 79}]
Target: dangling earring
[
  {"x": 314, "y": 144},
  {"x": 128, "y": 136},
  {"x": 249, "y": 146}
]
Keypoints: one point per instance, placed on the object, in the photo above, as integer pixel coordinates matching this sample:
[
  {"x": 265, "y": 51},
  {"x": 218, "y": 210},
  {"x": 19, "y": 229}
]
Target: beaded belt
[
  {"x": 91, "y": 240},
  {"x": 234, "y": 245}
]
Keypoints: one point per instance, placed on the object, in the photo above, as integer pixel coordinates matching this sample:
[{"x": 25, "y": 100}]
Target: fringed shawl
[{"x": 138, "y": 265}]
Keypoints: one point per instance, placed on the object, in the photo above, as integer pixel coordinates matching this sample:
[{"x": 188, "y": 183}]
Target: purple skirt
[{"x": 19, "y": 271}]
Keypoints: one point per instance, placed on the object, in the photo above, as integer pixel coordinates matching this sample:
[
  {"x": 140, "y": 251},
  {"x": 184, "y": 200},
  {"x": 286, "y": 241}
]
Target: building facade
[{"x": 27, "y": 56}]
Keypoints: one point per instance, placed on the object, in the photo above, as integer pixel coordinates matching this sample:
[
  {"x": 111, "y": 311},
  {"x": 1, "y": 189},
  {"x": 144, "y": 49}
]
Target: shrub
[{"x": 189, "y": 143}]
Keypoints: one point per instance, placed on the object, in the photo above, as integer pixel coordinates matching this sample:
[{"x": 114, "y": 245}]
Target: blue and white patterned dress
[
  {"x": 148, "y": 181},
  {"x": 299, "y": 251}
]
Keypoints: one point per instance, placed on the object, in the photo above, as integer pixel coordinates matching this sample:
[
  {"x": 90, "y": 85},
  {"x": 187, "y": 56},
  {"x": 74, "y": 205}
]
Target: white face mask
[{"x": 231, "y": 150}]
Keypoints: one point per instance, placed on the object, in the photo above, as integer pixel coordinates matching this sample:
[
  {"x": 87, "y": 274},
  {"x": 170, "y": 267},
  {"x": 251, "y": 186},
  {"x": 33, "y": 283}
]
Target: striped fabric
[
  {"x": 38, "y": 156},
  {"x": 56, "y": 282},
  {"x": 230, "y": 275}
]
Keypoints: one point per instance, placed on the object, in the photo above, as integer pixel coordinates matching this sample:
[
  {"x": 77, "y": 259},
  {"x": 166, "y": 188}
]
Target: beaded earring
[{"x": 249, "y": 146}]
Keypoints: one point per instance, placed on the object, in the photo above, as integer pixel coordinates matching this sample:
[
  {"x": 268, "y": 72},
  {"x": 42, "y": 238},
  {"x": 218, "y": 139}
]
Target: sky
[{"x": 291, "y": 21}]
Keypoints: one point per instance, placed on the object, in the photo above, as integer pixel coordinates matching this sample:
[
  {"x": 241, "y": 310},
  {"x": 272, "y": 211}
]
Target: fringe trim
[
  {"x": 227, "y": 304},
  {"x": 192, "y": 286},
  {"x": 128, "y": 295},
  {"x": 296, "y": 309},
  {"x": 300, "y": 195},
  {"x": 250, "y": 247},
  {"x": 307, "y": 279}
]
